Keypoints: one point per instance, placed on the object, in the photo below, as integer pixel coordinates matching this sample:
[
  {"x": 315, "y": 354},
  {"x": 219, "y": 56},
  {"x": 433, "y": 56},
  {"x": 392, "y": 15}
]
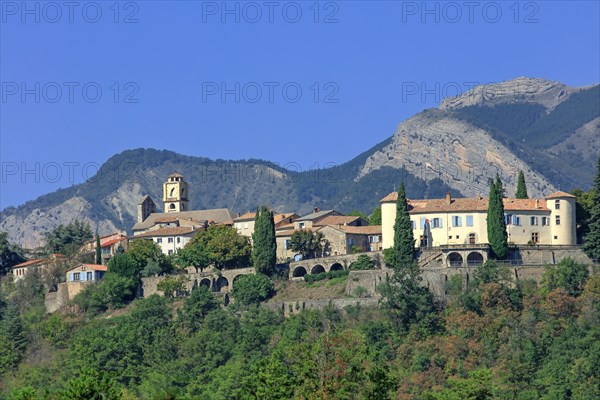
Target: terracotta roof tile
[
  {"x": 94, "y": 267},
  {"x": 467, "y": 204},
  {"x": 246, "y": 217},
  {"x": 337, "y": 220},
  {"x": 174, "y": 231},
  {"x": 558, "y": 194},
  {"x": 29, "y": 263},
  {"x": 364, "y": 230}
]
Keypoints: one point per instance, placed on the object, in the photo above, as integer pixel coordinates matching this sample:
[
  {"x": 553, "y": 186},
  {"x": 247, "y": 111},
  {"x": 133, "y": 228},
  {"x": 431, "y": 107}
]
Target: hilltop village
[{"x": 451, "y": 237}]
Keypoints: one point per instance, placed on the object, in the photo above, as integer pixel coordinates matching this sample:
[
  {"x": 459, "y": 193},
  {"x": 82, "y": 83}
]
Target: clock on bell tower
[{"x": 175, "y": 193}]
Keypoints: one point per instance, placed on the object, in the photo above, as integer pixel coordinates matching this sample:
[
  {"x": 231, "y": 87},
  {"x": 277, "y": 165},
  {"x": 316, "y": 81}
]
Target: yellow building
[
  {"x": 549, "y": 221},
  {"x": 175, "y": 194}
]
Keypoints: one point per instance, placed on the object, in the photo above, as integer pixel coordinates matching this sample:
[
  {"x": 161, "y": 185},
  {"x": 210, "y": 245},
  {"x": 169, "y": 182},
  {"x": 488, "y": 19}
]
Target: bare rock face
[
  {"x": 585, "y": 141},
  {"x": 434, "y": 145},
  {"x": 519, "y": 90},
  {"x": 29, "y": 231}
]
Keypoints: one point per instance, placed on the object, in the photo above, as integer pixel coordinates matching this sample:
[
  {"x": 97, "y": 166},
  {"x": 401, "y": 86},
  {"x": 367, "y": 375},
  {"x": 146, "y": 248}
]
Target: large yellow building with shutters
[{"x": 462, "y": 221}]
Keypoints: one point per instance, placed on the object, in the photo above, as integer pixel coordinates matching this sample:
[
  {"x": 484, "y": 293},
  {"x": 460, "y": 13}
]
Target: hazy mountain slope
[{"x": 546, "y": 129}]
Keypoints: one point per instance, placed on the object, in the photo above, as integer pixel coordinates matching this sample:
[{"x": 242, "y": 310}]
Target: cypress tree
[
  {"x": 264, "y": 246},
  {"x": 496, "y": 226},
  {"x": 591, "y": 241},
  {"x": 98, "y": 250},
  {"x": 521, "y": 188},
  {"x": 404, "y": 241}
]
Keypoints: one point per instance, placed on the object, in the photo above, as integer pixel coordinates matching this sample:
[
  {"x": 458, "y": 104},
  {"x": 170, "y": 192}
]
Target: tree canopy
[
  {"x": 521, "y": 188},
  {"x": 307, "y": 243},
  {"x": 591, "y": 244},
  {"x": 496, "y": 225}
]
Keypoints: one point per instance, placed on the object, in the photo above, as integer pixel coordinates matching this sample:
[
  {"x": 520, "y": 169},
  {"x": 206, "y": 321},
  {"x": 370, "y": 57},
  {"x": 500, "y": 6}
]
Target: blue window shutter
[
  {"x": 441, "y": 222},
  {"x": 422, "y": 222}
]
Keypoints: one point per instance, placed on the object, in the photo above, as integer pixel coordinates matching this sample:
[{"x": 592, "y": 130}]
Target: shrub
[
  {"x": 363, "y": 262},
  {"x": 252, "y": 289},
  {"x": 567, "y": 274},
  {"x": 324, "y": 275}
]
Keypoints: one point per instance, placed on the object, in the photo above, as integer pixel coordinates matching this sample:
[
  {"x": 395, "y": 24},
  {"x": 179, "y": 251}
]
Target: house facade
[
  {"x": 82, "y": 275},
  {"x": 170, "y": 239},
  {"x": 41, "y": 264},
  {"x": 463, "y": 221}
]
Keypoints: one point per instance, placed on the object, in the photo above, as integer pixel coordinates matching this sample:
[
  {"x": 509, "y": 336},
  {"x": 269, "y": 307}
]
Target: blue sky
[{"x": 224, "y": 82}]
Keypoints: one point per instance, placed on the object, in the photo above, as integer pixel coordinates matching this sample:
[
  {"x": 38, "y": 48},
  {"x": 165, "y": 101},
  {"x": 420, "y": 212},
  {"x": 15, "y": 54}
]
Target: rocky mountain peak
[{"x": 519, "y": 90}]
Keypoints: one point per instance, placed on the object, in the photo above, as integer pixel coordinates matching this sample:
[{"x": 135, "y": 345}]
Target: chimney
[
  {"x": 448, "y": 199},
  {"x": 239, "y": 214},
  {"x": 537, "y": 203},
  {"x": 316, "y": 209}
]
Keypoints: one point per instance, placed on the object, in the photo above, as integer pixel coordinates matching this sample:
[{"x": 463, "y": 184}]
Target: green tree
[
  {"x": 98, "y": 250},
  {"x": 219, "y": 245},
  {"x": 583, "y": 206},
  {"x": 375, "y": 217},
  {"x": 363, "y": 262},
  {"x": 264, "y": 245},
  {"x": 567, "y": 274},
  {"x": 404, "y": 241},
  {"x": 10, "y": 254},
  {"x": 496, "y": 226},
  {"x": 12, "y": 337},
  {"x": 405, "y": 299},
  {"x": 68, "y": 239},
  {"x": 91, "y": 385},
  {"x": 196, "y": 307},
  {"x": 143, "y": 251},
  {"x": 521, "y": 188},
  {"x": 252, "y": 289},
  {"x": 124, "y": 265},
  {"x": 173, "y": 286},
  {"x": 591, "y": 242},
  {"x": 307, "y": 243}
]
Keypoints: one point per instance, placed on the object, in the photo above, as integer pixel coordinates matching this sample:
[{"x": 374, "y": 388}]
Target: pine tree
[
  {"x": 98, "y": 250},
  {"x": 521, "y": 188},
  {"x": 264, "y": 246},
  {"x": 496, "y": 226},
  {"x": 404, "y": 241},
  {"x": 591, "y": 241}
]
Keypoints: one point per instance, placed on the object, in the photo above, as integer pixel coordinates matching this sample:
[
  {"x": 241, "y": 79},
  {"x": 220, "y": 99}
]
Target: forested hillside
[{"x": 494, "y": 340}]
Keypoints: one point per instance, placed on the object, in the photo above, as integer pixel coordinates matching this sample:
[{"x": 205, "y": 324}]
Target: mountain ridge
[{"x": 456, "y": 147}]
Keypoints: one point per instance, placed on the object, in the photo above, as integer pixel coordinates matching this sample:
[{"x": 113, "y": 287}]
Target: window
[
  {"x": 545, "y": 221},
  {"x": 557, "y": 204},
  {"x": 286, "y": 244},
  {"x": 76, "y": 276},
  {"x": 301, "y": 225},
  {"x": 469, "y": 220},
  {"x": 170, "y": 252},
  {"x": 450, "y": 237},
  {"x": 159, "y": 240},
  {"x": 516, "y": 220},
  {"x": 350, "y": 242},
  {"x": 555, "y": 237},
  {"x": 458, "y": 237},
  {"x": 178, "y": 240},
  {"x": 558, "y": 220},
  {"x": 456, "y": 221},
  {"x": 89, "y": 276},
  {"x": 170, "y": 240},
  {"x": 414, "y": 224},
  {"x": 508, "y": 219},
  {"x": 535, "y": 237},
  {"x": 437, "y": 223},
  {"x": 533, "y": 221},
  {"x": 422, "y": 222}
]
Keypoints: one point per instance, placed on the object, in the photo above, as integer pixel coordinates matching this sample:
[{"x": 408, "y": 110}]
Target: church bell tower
[{"x": 175, "y": 193}]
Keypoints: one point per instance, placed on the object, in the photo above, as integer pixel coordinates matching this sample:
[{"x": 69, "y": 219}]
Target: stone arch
[
  {"x": 299, "y": 272},
  {"x": 455, "y": 259},
  {"x": 336, "y": 267},
  {"x": 474, "y": 259},
  {"x": 317, "y": 269},
  {"x": 221, "y": 284},
  {"x": 205, "y": 282}
]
